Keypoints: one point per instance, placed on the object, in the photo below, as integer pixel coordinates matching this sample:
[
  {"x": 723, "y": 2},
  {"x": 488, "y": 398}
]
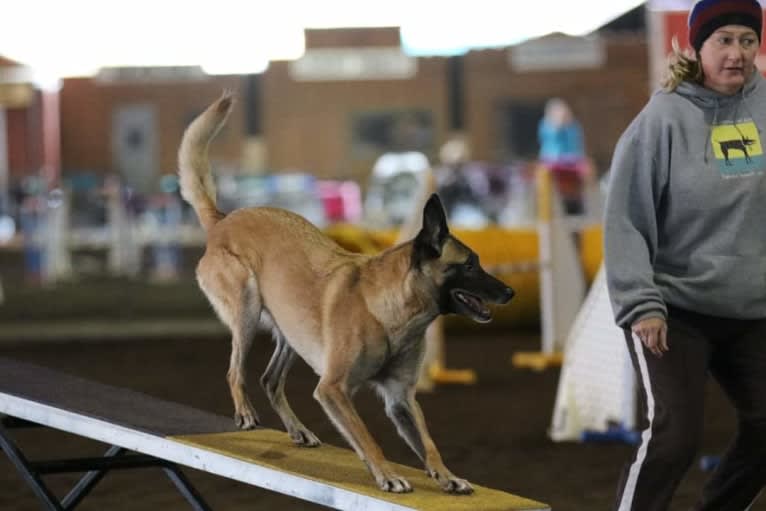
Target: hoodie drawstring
[{"x": 710, "y": 129}]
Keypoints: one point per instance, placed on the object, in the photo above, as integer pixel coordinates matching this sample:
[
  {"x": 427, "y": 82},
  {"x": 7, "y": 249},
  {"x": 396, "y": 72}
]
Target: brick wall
[{"x": 307, "y": 125}]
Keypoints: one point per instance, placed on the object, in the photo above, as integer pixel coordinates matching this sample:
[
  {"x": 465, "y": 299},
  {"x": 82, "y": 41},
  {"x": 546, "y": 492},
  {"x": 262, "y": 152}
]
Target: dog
[
  {"x": 740, "y": 144},
  {"x": 354, "y": 319}
]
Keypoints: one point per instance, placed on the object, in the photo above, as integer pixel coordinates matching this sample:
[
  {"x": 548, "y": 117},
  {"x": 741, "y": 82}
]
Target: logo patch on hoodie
[{"x": 737, "y": 148}]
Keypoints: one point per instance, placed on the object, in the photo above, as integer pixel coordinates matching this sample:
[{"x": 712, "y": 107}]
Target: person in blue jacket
[
  {"x": 560, "y": 135},
  {"x": 562, "y": 152}
]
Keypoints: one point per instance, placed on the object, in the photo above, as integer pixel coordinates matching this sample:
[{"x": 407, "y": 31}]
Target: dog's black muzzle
[
  {"x": 507, "y": 294},
  {"x": 469, "y": 296}
]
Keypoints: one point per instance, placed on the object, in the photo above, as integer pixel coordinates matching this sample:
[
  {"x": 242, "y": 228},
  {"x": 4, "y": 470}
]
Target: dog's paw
[
  {"x": 457, "y": 485},
  {"x": 248, "y": 420},
  {"x": 394, "y": 484},
  {"x": 304, "y": 438},
  {"x": 451, "y": 484}
]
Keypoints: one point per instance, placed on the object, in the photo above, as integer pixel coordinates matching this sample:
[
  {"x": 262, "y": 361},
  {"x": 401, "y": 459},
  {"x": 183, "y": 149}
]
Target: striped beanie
[{"x": 707, "y": 16}]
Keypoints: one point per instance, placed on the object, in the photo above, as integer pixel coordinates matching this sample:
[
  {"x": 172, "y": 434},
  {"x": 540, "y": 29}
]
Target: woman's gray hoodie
[{"x": 685, "y": 219}]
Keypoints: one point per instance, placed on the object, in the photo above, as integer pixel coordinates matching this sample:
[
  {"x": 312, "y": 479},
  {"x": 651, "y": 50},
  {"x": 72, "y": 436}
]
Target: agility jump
[
  {"x": 165, "y": 434},
  {"x": 562, "y": 279}
]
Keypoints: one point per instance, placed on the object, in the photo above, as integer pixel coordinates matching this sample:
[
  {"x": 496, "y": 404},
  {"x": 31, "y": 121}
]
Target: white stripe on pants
[{"x": 635, "y": 469}]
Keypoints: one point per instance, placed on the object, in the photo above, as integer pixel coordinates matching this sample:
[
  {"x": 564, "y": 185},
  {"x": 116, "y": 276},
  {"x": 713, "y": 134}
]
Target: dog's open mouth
[{"x": 473, "y": 305}]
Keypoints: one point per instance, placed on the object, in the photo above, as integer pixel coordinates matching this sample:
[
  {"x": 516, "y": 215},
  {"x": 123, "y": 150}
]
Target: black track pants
[{"x": 672, "y": 391}]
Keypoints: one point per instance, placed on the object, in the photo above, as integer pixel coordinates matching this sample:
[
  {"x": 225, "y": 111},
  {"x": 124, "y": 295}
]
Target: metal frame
[{"x": 115, "y": 458}]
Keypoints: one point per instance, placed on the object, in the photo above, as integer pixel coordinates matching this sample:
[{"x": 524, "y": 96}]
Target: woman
[{"x": 685, "y": 254}]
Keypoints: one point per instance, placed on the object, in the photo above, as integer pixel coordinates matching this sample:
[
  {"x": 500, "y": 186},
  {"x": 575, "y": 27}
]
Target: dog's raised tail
[{"x": 195, "y": 177}]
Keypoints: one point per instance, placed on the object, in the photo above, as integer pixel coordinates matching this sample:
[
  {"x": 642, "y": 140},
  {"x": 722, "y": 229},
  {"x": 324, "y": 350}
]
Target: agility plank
[{"x": 182, "y": 435}]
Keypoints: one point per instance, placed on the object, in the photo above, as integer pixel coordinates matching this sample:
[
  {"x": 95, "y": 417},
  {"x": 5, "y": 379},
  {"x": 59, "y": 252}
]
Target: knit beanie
[{"x": 707, "y": 16}]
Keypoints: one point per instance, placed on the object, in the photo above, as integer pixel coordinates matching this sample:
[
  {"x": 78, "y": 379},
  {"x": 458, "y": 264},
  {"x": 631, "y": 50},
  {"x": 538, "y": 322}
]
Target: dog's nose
[{"x": 509, "y": 292}]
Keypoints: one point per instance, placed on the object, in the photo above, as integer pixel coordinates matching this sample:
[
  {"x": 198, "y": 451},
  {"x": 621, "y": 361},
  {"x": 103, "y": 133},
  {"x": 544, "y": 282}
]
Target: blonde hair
[{"x": 682, "y": 66}]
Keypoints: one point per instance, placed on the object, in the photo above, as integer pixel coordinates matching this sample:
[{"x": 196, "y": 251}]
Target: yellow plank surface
[{"x": 343, "y": 469}]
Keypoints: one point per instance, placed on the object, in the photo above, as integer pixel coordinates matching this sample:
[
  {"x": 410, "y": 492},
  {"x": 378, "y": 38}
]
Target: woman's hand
[{"x": 653, "y": 332}]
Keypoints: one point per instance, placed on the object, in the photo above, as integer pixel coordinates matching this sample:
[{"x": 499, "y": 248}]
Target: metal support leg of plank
[
  {"x": 50, "y": 502},
  {"x": 113, "y": 459},
  {"x": 88, "y": 482}
]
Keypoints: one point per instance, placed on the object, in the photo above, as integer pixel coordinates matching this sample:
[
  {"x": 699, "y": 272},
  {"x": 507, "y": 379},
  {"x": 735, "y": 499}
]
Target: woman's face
[{"x": 728, "y": 57}]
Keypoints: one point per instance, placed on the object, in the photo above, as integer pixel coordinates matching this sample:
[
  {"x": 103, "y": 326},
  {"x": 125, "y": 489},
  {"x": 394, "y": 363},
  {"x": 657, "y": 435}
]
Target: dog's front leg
[
  {"x": 335, "y": 400},
  {"x": 404, "y": 411}
]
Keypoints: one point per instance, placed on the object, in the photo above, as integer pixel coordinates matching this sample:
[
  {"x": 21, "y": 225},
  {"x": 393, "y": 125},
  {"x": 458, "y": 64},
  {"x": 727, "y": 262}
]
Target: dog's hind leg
[
  {"x": 273, "y": 382},
  {"x": 242, "y": 337},
  {"x": 233, "y": 292}
]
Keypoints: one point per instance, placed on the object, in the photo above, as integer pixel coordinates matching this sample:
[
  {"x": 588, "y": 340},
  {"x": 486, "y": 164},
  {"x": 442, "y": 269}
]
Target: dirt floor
[{"x": 493, "y": 434}]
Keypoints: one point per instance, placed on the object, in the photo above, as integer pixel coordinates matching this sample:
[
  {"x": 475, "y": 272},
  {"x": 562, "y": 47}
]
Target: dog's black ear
[{"x": 434, "y": 232}]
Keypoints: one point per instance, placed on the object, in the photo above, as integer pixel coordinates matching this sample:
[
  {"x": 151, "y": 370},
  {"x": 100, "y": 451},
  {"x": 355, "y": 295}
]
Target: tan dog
[{"x": 353, "y": 318}]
